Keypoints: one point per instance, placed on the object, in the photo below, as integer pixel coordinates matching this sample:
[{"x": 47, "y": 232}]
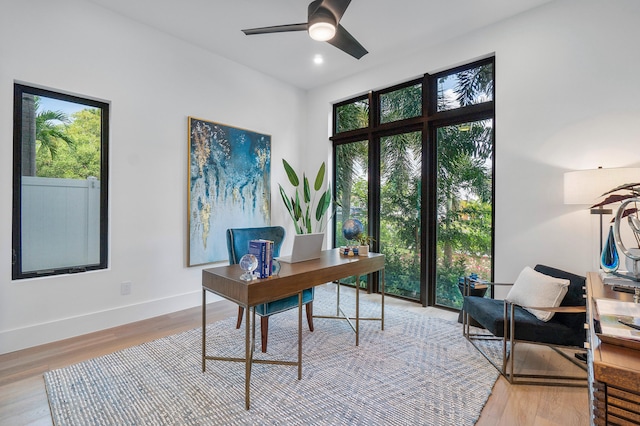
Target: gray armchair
[
  {"x": 237, "y": 246},
  {"x": 512, "y": 323}
]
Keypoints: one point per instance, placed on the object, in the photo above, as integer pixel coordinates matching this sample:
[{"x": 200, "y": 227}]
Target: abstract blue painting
[{"x": 229, "y": 186}]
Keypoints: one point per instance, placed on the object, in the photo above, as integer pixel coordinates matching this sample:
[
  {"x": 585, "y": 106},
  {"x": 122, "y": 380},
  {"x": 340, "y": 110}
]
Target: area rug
[{"x": 419, "y": 370}]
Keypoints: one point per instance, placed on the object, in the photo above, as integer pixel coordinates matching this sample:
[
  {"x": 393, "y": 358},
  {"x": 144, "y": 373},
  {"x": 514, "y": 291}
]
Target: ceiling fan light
[{"x": 322, "y": 31}]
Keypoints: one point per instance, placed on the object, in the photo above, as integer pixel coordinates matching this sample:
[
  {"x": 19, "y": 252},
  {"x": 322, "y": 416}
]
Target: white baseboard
[{"x": 40, "y": 334}]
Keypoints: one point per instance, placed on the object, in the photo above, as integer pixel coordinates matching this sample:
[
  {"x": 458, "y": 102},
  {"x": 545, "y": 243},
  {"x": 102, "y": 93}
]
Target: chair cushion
[
  {"x": 574, "y": 297},
  {"x": 533, "y": 288},
  {"x": 490, "y": 313},
  {"x": 284, "y": 304}
]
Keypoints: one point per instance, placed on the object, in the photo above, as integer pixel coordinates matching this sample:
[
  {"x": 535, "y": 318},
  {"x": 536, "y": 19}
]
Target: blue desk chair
[{"x": 237, "y": 246}]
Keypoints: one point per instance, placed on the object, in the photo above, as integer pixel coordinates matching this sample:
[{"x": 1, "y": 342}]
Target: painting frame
[{"x": 228, "y": 186}]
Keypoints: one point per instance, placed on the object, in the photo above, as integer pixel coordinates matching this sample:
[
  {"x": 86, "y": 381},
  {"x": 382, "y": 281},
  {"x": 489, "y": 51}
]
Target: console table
[
  {"x": 292, "y": 279},
  {"x": 614, "y": 371}
]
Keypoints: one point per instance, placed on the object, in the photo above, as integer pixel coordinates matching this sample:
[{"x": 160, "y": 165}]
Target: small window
[
  {"x": 351, "y": 116},
  {"x": 401, "y": 103},
  {"x": 467, "y": 87},
  {"x": 59, "y": 183}
]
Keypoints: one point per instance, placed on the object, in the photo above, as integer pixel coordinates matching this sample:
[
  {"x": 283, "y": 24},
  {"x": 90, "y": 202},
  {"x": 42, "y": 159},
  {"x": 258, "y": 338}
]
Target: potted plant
[
  {"x": 302, "y": 204},
  {"x": 364, "y": 241}
]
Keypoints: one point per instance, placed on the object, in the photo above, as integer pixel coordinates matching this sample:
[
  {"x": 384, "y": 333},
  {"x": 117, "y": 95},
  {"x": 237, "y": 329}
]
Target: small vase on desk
[{"x": 610, "y": 260}]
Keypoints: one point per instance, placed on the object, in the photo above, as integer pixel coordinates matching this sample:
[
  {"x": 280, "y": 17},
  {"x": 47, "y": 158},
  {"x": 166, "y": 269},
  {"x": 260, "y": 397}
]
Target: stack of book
[
  {"x": 478, "y": 284},
  {"x": 474, "y": 282},
  {"x": 263, "y": 251},
  {"x": 620, "y": 281},
  {"x": 618, "y": 322}
]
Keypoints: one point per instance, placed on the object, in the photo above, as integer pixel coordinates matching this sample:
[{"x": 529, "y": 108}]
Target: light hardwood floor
[{"x": 23, "y": 400}]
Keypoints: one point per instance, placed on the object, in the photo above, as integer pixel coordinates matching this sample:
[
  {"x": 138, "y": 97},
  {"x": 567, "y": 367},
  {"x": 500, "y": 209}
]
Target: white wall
[
  {"x": 567, "y": 98},
  {"x": 153, "y": 82}
]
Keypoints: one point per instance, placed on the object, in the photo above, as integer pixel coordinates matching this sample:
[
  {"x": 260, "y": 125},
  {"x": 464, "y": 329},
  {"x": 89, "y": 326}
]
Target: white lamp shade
[{"x": 586, "y": 186}]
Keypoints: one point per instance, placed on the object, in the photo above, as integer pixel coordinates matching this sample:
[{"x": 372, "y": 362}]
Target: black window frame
[
  {"x": 428, "y": 123},
  {"x": 16, "y": 269}
]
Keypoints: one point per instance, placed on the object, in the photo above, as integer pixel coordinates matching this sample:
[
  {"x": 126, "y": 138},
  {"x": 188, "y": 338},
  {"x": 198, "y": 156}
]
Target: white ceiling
[{"x": 387, "y": 29}]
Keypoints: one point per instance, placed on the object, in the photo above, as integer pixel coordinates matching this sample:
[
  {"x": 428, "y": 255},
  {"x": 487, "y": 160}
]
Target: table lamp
[{"x": 586, "y": 186}]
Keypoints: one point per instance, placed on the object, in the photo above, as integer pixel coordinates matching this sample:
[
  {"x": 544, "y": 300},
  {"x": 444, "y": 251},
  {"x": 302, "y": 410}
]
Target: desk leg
[
  {"x": 204, "y": 327},
  {"x": 300, "y": 336},
  {"x": 382, "y": 293},
  {"x": 357, "y": 310},
  {"x": 253, "y": 333},
  {"x": 247, "y": 355}
]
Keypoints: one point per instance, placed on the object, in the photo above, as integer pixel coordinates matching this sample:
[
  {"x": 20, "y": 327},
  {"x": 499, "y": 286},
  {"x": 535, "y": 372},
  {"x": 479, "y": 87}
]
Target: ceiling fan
[{"x": 323, "y": 24}]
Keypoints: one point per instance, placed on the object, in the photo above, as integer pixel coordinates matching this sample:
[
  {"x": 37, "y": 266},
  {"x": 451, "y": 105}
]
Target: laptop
[{"x": 305, "y": 247}]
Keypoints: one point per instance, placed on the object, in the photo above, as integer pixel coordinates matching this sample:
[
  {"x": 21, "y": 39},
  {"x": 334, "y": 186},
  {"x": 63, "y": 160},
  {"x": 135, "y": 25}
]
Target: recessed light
[{"x": 318, "y": 59}]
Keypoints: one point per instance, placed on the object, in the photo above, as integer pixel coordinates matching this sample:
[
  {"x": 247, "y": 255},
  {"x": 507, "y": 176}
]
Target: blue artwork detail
[
  {"x": 610, "y": 261},
  {"x": 229, "y": 186}
]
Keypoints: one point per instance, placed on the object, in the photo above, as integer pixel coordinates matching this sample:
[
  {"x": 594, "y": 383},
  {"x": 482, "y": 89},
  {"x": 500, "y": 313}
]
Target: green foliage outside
[
  {"x": 352, "y": 116},
  {"x": 463, "y": 207},
  {"x": 400, "y": 212},
  {"x": 68, "y": 147}
]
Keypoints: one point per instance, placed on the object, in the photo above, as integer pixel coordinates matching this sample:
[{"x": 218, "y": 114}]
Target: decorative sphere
[
  {"x": 352, "y": 228},
  {"x": 249, "y": 263}
]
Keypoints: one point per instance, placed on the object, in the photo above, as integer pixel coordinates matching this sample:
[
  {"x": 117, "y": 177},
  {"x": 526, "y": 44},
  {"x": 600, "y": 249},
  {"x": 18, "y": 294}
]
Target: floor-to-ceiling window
[
  {"x": 463, "y": 207},
  {"x": 400, "y": 185},
  {"x": 414, "y": 163}
]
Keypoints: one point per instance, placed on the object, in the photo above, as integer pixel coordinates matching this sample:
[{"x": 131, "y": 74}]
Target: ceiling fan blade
[
  {"x": 337, "y": 7},
  {"x": 277, "y": 29},
  {"x": 345, "y": 42}
]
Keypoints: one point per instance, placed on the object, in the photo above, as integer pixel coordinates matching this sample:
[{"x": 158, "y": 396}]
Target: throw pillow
[{"x": 535, "y": 289}]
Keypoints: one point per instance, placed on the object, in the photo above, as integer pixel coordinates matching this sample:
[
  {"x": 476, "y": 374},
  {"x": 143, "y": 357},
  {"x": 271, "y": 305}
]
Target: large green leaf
[
  {"x": 297, "y": 208},
  {"x": 307, "y": 191},
  {"x": 291, "y": 174},
  {"x": 307, "y": 219},
  {"x": 288, "y": 203},
  {"x": 323, "y": 204},
  {"x": 285, "y": 199},
  {"x": 319, "y": 177}
]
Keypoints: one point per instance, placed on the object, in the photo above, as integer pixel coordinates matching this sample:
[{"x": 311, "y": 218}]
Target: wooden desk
[
  {"x": 614, "y": 371},
  {"x": 293, "y": 279}
]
